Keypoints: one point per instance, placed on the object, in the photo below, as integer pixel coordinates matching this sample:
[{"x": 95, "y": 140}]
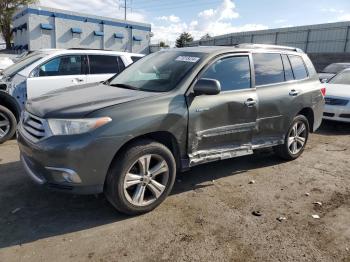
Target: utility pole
[
  {"x": 124, "y": 6},
  {"x": 124, "y": 9}
]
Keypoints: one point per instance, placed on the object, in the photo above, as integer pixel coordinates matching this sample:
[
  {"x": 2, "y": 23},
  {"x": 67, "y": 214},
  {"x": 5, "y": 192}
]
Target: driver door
[{"x": 221, "y": 126}]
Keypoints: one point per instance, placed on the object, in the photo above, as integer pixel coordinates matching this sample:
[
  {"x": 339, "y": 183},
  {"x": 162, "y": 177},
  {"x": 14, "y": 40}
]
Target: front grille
[
  {"x": 345, "y": 115},
  {"x": 336, "y": 101},
  {"x": 33, "y": 126},
  {"x": 328, "y": 114}
]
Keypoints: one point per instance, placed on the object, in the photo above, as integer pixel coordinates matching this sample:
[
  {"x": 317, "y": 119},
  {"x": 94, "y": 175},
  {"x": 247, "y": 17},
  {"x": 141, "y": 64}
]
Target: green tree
[
  {"x": 7, "y": 9},
  {"x": 183, "y": 39},
  {"x": 206, "y": 36},
  {"x": 163, "y": 44}
]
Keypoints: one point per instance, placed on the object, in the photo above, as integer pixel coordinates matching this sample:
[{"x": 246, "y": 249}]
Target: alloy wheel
[
  {"x": 146, "y": 180},
  {"x": 297, "y": 137},
  {"x": 4, "y": 125}
]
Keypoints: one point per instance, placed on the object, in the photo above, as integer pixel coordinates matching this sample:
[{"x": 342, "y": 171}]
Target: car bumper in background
[{"x": 337, "y": 113}]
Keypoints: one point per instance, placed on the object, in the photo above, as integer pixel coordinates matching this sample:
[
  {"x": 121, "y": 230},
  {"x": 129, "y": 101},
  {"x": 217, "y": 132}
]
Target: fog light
[{"x": 65, "y": 175}]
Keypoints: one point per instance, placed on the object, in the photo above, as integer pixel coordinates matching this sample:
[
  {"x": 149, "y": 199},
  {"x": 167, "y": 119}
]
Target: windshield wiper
[{"x": 124, "y": 86}]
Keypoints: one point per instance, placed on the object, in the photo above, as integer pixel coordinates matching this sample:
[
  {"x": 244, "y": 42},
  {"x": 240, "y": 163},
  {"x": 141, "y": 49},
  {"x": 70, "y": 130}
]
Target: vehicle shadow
[
  {"x": 30, "y": 212},
  {"x": 331, "y": 128}
]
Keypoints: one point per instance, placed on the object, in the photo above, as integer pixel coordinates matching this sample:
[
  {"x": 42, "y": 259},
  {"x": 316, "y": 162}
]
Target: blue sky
[{"x": 171, "y": 17}]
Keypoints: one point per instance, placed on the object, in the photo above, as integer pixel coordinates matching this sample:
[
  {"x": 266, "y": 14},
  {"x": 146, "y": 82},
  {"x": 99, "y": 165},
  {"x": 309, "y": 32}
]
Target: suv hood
[{"x": 77, "y": 101}]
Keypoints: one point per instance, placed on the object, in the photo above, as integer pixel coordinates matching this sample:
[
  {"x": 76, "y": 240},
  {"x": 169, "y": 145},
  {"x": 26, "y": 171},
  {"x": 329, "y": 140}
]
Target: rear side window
[
  {"x": 103, "y": 64},
  {"x": 121, "y": 64},
  {"x": 233, "y": 73},
  {"x": 268, "y": 69},
  {"x": 135, "y": 58},
  {"x": 288, "y": 73},
  {"x": 298, "y": 67}
]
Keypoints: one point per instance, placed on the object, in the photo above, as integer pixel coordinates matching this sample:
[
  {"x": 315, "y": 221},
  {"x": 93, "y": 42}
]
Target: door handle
[
  {"x": 250, "y": 102},
  {"x": 78, "y": 80},
  {"x": 293, "y": 92}
]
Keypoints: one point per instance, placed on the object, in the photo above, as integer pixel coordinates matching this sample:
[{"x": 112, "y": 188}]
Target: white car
[
  {"x": 337, "y": 106},
  {"x": 45, "y": 71},
  {"x": 50, "y": 69},
  {"x": 5, "y": 62}
]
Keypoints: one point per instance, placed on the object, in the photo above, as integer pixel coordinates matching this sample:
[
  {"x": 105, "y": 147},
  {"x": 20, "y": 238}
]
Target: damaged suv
[{"x": 167, "y": 112}]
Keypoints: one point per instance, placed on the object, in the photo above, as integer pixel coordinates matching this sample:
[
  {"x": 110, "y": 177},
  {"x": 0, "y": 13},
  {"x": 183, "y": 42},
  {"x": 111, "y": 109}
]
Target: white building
[{"x": 37, "y": 27}]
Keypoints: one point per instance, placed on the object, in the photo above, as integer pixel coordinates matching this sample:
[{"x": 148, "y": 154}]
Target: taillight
[{"x": 323, "y": 91}]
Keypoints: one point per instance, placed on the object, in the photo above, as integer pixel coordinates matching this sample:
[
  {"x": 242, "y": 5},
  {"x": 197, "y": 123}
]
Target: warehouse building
[
  {"x": 325, "y": 43},
  {"x": 37, "y": 27}
]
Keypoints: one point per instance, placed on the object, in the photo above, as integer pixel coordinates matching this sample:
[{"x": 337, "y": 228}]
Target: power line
[
  {"x": 177, "y": 6},
  {"x": 164, "y": 4}
]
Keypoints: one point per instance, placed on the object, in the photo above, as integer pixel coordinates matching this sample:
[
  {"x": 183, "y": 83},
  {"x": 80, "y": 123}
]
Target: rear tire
[
  {"x": 295, "y": 139},
  {"x": 8, "y": 124},
  {"x": 141, "y": 177}
]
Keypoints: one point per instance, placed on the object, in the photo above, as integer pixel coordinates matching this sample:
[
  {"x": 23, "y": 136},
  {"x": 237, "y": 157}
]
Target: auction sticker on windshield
[{"x": 190, "y": 59}]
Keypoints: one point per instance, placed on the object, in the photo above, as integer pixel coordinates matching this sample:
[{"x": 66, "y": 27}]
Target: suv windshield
[
  {"x": 23, "y": 63},
  {"x": 158, "y": 72},
  {"x": 342, "y": 78},
  {"x": 335, "y": 68}
]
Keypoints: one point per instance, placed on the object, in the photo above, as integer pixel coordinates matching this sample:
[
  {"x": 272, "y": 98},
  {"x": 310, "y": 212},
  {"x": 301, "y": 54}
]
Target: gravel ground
[{"x": 208, "y": 216}]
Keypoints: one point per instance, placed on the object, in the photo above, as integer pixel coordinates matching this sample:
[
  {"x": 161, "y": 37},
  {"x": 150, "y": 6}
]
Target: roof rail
[
  {"x": 265, "y": 46},
  {"x": 82, "y": 48}
]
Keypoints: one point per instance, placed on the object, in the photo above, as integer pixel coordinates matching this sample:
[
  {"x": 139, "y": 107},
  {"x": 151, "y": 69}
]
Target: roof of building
[{"x": 65, "y": 14}]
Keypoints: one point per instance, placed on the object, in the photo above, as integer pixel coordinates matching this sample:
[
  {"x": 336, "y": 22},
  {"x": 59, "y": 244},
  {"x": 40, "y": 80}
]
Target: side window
[
  {"x": 288, "y": 73},
  {"x": 268, "y": 69},
  {"x": 60, "y": 66},
  {"x": 233, "y": 73},
  {"x": 103, "y": 64},
  {"x": 298, "y": 67}
]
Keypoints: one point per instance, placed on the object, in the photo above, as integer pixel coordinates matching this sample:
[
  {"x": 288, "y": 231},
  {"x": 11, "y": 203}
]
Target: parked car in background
[
  {"x": 170, "y": 111},
  {"x": 5, "y": 62},
  {"x": 331, "y": 70},
  {"x": 337, "y": 106},
  {"x": 47, "y": 70}
]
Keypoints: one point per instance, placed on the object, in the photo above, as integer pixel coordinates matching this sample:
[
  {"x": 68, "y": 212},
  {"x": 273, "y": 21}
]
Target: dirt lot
[{"x": 208, "y": 217}]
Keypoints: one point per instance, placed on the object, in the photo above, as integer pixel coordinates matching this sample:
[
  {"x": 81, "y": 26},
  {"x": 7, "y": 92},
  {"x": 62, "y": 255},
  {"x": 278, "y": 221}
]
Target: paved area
[{"x": 208, "y": 216}]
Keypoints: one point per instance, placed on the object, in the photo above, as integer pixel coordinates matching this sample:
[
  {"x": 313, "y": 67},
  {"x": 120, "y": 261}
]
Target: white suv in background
[{"x": 48, "y": 70}]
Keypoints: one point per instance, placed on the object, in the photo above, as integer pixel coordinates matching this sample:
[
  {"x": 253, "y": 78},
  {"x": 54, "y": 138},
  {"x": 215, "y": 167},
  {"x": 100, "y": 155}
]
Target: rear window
[
  {"x": 268, "y": 69},
  {"x": 135, "y": 58},
  {"x": 298, "y": 67},
  {"x": 103, "y": 64},
  {"x": 335, "y": 68}
]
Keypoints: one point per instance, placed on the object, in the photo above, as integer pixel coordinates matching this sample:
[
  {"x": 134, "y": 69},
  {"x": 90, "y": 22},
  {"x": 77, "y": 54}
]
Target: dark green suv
[{"x": 127, "y": 137}]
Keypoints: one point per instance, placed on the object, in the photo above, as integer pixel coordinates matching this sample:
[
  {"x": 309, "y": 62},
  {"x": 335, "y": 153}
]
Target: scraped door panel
[{"x": 221, "y": 126}]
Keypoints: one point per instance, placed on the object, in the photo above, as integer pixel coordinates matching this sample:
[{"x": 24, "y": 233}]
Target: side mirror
[
  {"x": 324, "y": 80},
  {"x": 207, "y": 86}
]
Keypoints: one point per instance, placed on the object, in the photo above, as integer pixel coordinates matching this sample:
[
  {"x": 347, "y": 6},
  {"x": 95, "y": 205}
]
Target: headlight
[{"x": 76, "y": 126}]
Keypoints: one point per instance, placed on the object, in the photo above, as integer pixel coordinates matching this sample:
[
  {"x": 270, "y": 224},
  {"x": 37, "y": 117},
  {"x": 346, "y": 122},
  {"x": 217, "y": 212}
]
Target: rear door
[
  {"x": 59, "y": 72},
  {"x": 103, "y": 67},
  {"x": 221, "y": 126},
  {"x": 278, "y": 91}
]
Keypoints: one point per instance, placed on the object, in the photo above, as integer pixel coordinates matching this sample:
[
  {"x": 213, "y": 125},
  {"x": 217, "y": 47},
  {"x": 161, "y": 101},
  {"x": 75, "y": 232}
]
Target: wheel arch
[
  {"x": 309, "y": 114},
  {"x": 164, "y": 137},
  {"x": 11, "y": 104}
]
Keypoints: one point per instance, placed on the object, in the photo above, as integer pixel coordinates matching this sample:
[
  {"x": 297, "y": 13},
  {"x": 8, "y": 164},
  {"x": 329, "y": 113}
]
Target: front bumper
[
  {"x": 337, "y": 113},
  {"x": 84, "y": 159}
]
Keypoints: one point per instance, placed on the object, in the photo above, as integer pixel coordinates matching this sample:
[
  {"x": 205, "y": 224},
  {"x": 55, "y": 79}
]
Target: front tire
[
  {"x": 295, "y": 139},
  {"x": 8, "y": 124},
  {"x": 141, "y": 177}
]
